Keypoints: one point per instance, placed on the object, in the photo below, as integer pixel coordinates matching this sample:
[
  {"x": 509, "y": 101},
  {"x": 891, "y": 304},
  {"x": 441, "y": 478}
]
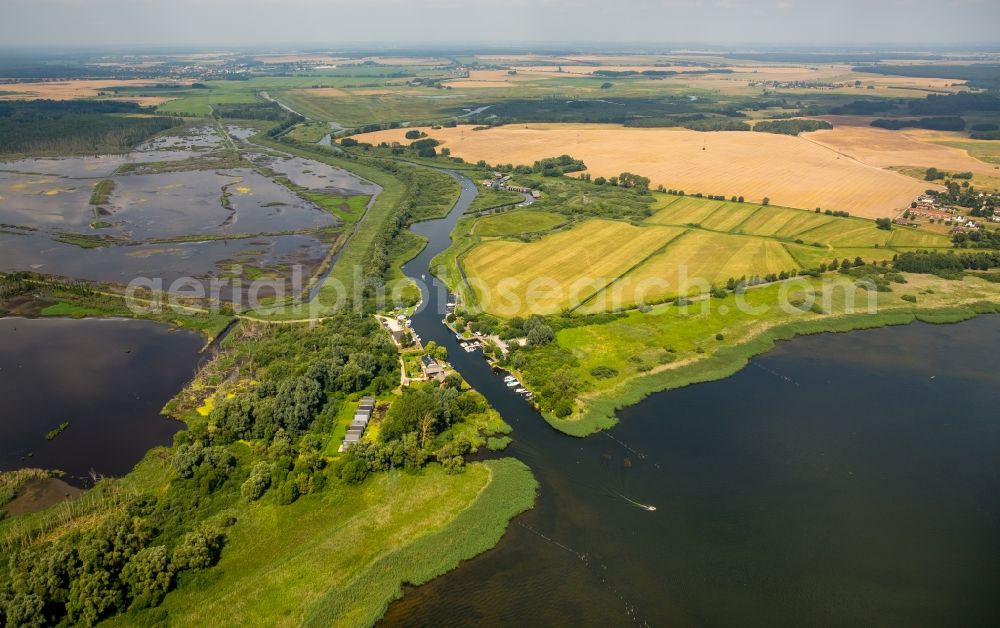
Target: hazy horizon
[{"x": 914, "y": 24}]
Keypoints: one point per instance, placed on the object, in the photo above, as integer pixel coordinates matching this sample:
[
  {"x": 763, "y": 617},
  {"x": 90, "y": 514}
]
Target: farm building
[
  {"x": 432, "y": 369},
  {"x": 394, "y": 327},
  {"x": 358, "y": 424}
]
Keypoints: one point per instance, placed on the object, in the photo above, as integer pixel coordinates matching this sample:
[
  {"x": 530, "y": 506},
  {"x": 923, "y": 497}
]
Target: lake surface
[
  {"x": 108, "y": 378},
  {"x": 839, "y": 480}
]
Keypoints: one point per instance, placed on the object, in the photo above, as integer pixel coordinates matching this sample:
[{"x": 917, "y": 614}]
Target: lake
[{"x": 108, "y": 378}]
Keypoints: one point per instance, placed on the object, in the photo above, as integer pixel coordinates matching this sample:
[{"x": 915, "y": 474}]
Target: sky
[{"x": 773, "y": 23}]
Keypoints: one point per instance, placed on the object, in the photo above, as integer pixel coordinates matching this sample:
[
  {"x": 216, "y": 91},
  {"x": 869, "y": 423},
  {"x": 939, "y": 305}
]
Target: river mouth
[
  {"x": 840, "y": 479},
  {"x": 108, "y": 379}
]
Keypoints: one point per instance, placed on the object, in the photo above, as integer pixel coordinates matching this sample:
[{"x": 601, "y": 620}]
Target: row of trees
[{"x": 936, "y": 262}]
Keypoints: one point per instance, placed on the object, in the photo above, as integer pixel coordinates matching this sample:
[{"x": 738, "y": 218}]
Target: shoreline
[{"x": 601, "y": 409}]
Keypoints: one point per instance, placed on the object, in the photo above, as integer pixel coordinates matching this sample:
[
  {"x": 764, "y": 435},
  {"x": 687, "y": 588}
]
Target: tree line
[{"x": 75, "y": 126}]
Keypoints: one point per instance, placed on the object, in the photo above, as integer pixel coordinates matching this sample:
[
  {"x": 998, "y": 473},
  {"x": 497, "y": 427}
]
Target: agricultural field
[
  {"x": 691, "y": 264},
  {"x": 685, "y": 247},
  {"x": 884, "y": 148},
  {"x": 789, "y": 171},
  {"x": 517, "y": 222},
  {"x": 515, "y": 278},
  {"x": 983, "y": 150},
  {"x": 84, "y": 88},
  {"x": 982, "y": 182}
]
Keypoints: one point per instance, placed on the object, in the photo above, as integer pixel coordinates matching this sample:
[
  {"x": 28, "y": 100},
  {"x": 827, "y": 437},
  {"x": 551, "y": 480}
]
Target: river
[
  {"x": 847, "y": 479},
  {"x": 108, "y": 379}
]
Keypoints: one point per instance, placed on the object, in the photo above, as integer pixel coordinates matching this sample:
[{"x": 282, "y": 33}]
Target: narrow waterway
[{"x": 846, "y": 479}]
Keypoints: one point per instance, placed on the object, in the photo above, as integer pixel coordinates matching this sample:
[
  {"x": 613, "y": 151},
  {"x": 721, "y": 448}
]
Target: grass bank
[{"x": 340, "y": 557}]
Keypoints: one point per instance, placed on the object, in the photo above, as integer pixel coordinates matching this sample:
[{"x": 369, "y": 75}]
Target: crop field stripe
[
  {"x": 662, "y": 249},
  {"x": 604, "y": 248},
  {"x": 709, "y": 256},
  {"x": 913, "y": 237},
  {"x": 726, "y": 217},
  {"x": 685, "y": 211},
  {"x": 802, "y": 225},
  {"x": 670, "y": 200},
  {"x": 831, "y": 233},
  {"x": 746, "y": 220},
  {"x": 801, "y": 259}
]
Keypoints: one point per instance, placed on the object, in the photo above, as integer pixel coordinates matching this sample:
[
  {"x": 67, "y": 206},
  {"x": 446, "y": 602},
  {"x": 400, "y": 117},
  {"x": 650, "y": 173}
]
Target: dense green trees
[
  {"x": 91, "y": 573},
  {"x": 950, "y": 123},
  {"x": 422, "y": 425},
  {"x": 75, "y": 126},
  {"x": 556, "y": 166},
  {"x": 791, "y": 127},
  {"x": 258, "y": 482},
  {"x": 947, "y": 263},
  {"x": 271, "y": 111},
  {"x": 348, "y": 354}
]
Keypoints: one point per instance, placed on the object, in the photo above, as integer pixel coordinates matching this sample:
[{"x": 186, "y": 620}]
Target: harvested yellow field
[
  {"x": 790, "y": 171},
  {"x": 68, "y": 90},
  {"x": 884, "y": 148},
  {"x": 690, "y": 265},
  {"x": 561, "y": 270}
]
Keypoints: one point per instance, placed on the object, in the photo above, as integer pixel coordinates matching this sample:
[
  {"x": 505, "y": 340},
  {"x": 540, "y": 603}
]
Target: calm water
[
  {"x": 107, "y": 378},
  {"x": 839, "y": 480}
]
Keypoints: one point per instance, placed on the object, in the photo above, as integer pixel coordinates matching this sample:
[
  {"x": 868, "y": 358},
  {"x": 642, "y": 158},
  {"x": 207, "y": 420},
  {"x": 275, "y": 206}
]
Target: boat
[
  {"x": 509, "y": 378},
  {"x": 521, "y": 390},
  {"x": 512, "y": 384}
]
